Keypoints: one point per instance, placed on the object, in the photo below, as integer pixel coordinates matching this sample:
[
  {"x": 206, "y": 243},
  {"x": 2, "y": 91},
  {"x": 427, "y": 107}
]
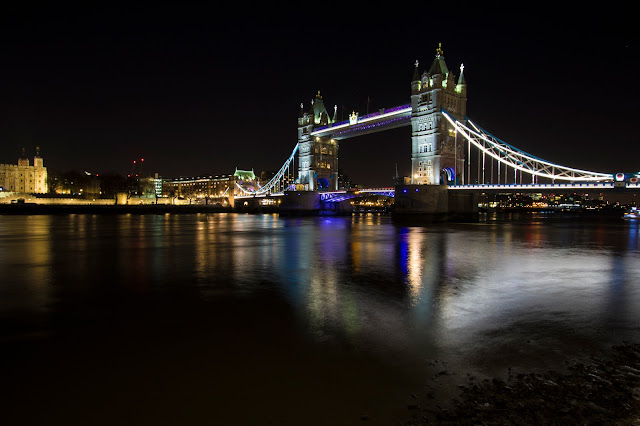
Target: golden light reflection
[
  {"x": 132, "y": 252},
  {"x": 365, "y": 246},
  {"x": 202, "y": 261},
  {"x": 415, "y": 263},
  {"x": 77, "y": 227},
  {"x": 37, "y": 255}
]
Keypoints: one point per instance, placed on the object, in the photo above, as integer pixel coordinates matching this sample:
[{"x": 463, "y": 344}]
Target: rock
[{"x": 605, "y": 390}]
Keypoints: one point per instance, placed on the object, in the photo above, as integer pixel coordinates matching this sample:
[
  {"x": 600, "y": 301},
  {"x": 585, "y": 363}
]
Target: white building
[{"x": 24, "y": 177}]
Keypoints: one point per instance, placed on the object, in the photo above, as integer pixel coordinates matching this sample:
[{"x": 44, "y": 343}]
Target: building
[
  {"x": 286, "y": 181},
  {"x": 436, "y": 155},
  {"x": 219, "y": 188},
  {"x": 317, "y": 157},
  {"x": 157, "y": 185},
  {"x": 23, "y": 177}
]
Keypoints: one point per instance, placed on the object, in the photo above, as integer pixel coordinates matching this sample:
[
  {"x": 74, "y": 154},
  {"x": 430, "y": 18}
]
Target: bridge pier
[
  {"x": 310, "y": 203},
  {"x": 254, "y": 205},
  {"x": 301, "y": 203},
  {"x": 434, "y": 203},
  {"x": 341, "y": 208}
]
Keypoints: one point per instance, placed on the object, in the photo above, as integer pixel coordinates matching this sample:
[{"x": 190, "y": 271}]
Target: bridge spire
[
  {"x": 320, "y": 114},
  {"x": 438, "y": 66},
  {"x": 461, "y": 78},
  {"x": 461, "y": 87},
  {"x": 415, "y": 81}
]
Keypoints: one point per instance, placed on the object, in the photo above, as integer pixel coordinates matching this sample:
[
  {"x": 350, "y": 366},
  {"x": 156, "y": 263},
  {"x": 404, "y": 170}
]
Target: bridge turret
[
  {"x": 450, "y": 82},
  {"x": 320, "y": 114},
  {"x": 415, "y": 81},
  {"x": 436, "y": 157},
  {"x": 317, "y": 156},
  {"x": 438, "y": 71},
  {"x": 462, "y": 84},
  {"x": 461, "y": 90}
]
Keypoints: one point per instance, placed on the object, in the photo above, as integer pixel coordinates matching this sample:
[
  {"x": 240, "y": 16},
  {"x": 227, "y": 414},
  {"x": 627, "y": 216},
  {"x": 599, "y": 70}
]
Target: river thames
[{"x": 261, "y": 319}]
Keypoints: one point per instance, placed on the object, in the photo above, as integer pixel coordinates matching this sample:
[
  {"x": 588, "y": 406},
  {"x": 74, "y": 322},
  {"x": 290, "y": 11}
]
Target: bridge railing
[{"x": 511, "y": 186}]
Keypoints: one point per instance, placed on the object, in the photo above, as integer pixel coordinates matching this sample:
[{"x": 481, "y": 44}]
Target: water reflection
[
  {"x": 358, "y": 281},
  {"x": 26, "y": 265}
]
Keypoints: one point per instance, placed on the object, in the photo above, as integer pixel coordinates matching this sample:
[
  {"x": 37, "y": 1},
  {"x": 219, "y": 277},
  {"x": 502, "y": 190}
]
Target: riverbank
[
  {"x": 605, "y": 389},
  {"x": 33, "y": 208},
  {"x": 112, "y": 209}
]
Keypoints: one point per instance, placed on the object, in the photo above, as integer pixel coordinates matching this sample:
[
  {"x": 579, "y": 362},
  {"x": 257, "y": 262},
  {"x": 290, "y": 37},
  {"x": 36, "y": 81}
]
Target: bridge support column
[
  {"x": 434, "y": 203},
  {"x": 341, "y": 208},
  {"x": 300, "y": 203}
]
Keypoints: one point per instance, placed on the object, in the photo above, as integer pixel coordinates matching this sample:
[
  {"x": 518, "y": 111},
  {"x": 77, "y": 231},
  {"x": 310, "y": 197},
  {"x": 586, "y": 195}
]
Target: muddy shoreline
[{"x": 602, "y": 389}]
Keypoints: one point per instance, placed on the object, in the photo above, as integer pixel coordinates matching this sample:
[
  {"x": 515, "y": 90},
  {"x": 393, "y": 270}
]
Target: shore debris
[{"x": 604, "y": 390}]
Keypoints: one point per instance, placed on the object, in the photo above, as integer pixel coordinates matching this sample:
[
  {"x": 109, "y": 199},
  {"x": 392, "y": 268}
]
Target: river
[{"x": 261, "y": 319}]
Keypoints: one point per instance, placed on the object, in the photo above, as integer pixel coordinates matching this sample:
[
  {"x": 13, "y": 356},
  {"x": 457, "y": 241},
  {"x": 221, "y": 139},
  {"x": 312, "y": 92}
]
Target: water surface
[{"x": 259, "y": 319}]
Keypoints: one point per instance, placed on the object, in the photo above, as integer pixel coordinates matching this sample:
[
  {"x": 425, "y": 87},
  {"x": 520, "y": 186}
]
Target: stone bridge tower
[
  {"x": 437, "y": 155},
  {"x": 317, "y": 156}
]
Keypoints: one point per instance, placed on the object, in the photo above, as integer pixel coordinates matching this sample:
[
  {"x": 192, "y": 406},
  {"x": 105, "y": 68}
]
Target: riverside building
[
  {"x": 23, "y": 177},
  {"x": 210, "y": 187}
]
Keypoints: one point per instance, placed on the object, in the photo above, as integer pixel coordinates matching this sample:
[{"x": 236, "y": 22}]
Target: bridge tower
[
  {"x": 437, "y": 154},
  {"x": 317, "y": 156}
]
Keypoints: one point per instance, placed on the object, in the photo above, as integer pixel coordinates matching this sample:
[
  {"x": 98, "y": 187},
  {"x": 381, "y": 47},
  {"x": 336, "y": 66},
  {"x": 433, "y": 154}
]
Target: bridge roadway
[
  {"x": 383, "y": 119},
  {"x": 542, "y": 187},
  {"x": 337, "y": 196}
]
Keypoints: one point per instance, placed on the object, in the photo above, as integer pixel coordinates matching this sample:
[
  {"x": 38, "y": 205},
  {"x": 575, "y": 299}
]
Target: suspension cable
[{"x": 520, "y": 160}]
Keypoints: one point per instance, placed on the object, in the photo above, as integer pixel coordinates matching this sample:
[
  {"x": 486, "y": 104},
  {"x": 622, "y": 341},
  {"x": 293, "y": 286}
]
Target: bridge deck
[
  {"x": 550, "y": 186},
  {"x": 334, "y": 195},
  {"x": 384, "y": 119}
]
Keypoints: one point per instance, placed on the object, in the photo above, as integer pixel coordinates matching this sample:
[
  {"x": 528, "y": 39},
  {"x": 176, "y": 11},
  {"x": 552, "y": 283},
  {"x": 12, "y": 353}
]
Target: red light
[
  {"x": 142, "y": 159},
  {"x": 134, "y": 161}
]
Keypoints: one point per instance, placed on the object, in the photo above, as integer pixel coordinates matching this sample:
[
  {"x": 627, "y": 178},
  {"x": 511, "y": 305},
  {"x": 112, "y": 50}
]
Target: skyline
[{"x": 196, "y": 93}]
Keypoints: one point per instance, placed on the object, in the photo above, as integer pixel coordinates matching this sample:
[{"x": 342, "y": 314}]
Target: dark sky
[{"x": 202, "y": 90}]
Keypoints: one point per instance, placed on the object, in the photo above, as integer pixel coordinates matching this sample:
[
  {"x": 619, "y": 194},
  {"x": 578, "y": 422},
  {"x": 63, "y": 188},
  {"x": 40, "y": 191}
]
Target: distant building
[
  {"x": 287, "y": 179},
  {"x": 209, "y": 187},
  {"x": 24, "y": 177},
  {"x": 157, "y": 185},
  {"x": 244, "y": 175}
]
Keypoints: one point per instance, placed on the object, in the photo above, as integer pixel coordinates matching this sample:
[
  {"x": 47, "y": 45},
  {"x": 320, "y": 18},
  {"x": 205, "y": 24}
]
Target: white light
[
  {"x": 365, "y": 120},
  {"x": 519, "y": 157}
]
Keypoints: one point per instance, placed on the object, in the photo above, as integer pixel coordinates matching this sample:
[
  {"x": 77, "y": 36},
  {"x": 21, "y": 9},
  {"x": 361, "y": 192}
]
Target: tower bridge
[{"x": 452, "y": 158}]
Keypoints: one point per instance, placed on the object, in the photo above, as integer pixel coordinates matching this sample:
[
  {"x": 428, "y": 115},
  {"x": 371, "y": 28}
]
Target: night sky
[{"x": 203, "y": 90}]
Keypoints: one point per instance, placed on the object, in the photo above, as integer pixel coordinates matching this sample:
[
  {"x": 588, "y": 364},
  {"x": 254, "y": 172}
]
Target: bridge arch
[{"x": 448, "y": 175}]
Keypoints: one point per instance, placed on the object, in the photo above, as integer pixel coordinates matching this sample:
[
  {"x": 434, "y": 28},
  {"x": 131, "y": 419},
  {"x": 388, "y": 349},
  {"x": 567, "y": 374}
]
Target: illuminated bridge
[{"x": 448, "y": 150}]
